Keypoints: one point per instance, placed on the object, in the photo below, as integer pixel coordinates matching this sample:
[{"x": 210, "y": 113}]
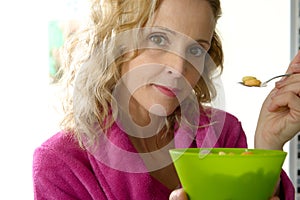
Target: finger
[
  {"x": 178, "y": 194},
  {"x": 291, "y": 84},
  {"x": 285, "y": 100},
  {"x": 294, "y": 66},
  {"x": 296, "y": 59},
  {"x": 274, "y": 198}
]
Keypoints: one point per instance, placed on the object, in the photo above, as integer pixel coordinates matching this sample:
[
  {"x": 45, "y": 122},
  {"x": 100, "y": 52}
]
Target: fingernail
[
  {"x": 296, "y": 66},
  {"x": 174, "y": 195}
]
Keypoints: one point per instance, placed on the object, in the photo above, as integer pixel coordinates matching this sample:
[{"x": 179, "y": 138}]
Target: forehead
[{"x": 193, "y": 18}]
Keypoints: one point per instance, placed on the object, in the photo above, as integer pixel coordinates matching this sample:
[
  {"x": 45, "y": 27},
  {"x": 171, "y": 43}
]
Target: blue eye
[
  {"x": 196, "y": 51},
  {"x": 158, "y": 39}
]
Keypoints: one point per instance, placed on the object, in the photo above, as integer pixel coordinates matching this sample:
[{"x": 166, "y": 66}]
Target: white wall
[
  {"x": 26, "y": 109},
  {"x": 256, "y": 39},
  {"x": 26, "y": 119}
]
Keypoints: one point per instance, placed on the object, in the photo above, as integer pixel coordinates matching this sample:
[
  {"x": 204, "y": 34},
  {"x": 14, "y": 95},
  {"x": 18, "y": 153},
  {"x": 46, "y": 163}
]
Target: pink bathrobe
[{"x": 63, "y": 170}]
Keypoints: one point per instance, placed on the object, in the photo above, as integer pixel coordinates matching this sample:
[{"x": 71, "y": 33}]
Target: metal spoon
[{"x": 264, "y": 84}]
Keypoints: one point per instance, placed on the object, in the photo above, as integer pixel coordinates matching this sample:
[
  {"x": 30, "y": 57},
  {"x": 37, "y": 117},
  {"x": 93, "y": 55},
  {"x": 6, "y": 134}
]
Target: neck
[
  {"x": 153, "y": 143},
  {"x": 139, "y": 114}
]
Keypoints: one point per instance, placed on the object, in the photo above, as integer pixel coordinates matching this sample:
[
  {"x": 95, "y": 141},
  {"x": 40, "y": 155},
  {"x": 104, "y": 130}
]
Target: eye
[
  {"x": 196, "y": 50},
  {"x": 159, "y": 39}
]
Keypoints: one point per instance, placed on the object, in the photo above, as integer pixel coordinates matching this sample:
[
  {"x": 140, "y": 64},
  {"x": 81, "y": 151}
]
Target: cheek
[
  {"x": 192, "y": 77},
  {"x": 124, "y": 68},
  {"x": 135, "y": 62}
]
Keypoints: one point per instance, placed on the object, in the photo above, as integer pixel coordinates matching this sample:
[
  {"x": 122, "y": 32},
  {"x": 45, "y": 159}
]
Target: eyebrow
[
  {"x": 203, "y": 41},
  {"x": 174, "y": 33},
  {"x": 166, "y": 29}
]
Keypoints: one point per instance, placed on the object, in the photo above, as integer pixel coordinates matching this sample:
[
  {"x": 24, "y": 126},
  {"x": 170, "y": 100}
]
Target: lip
[{"x": 170, "y": 92}]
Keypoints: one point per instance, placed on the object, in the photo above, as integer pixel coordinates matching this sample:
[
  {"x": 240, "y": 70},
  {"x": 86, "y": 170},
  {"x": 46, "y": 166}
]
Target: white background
[{"x": 256, "y": 41}]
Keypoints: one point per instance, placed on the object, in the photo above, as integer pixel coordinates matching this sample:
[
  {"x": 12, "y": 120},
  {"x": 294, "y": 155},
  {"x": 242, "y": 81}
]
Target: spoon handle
[
  {"x": 277, "y": 77},
  {"x": 265, "y": 83}
]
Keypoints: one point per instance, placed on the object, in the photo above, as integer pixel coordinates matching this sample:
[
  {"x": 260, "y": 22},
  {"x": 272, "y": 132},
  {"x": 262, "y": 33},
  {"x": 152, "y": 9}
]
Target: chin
[{"x": 162, "y": 111}]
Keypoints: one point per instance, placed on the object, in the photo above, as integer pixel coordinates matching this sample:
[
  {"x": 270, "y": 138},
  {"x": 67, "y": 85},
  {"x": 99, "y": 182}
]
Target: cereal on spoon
[{"x": 251, "y": 81}]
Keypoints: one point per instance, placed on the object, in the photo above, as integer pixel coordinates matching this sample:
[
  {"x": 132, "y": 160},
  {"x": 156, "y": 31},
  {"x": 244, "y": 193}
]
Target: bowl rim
[{"x": 237, "y": 152}]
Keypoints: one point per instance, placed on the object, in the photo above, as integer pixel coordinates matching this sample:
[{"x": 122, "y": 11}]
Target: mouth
[{"x": 170, "y": 92}]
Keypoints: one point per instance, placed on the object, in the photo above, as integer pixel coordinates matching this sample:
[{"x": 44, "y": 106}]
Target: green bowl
[{"x": 228, "y": 173}]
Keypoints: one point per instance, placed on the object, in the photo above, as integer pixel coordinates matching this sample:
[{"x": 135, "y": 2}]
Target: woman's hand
[
  {"x": 279, "y": 119},
  {"x": 275, "y": 198},
  {"x": 179, "y": 194}
]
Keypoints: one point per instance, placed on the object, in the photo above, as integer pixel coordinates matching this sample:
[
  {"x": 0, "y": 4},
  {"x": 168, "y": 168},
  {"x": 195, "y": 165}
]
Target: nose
[{"x": 175, "y": 65}]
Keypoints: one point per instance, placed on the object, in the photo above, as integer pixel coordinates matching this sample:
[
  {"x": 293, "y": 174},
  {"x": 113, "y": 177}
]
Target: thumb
[
  {"x": 178, "y": 194},
  {"x": 295, "y": 64},
  {"x": 296, "y": 59},
  {"x": 275, "y": 198}
]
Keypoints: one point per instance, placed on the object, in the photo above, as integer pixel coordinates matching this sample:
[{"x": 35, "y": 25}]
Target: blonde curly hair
[{"x": 89, "y": 51}]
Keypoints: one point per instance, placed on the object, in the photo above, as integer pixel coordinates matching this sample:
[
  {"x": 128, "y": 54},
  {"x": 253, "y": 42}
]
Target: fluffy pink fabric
[{"x": 63, "y": 170}]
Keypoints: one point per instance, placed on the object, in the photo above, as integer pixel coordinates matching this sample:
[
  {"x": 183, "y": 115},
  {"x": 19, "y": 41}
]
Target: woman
[{"x": 142, "y": 76}]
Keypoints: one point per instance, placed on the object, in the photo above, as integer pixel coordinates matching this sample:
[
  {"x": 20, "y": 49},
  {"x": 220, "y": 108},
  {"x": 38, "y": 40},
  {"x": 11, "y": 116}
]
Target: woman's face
[{"x": 171, "y": 58}]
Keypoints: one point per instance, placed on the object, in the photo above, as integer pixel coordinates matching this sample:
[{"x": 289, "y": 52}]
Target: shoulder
[
  {"x": 61, "y": 169},
  {"x": 61, "y": 141},
  {"x": 61, "y": 148}
]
